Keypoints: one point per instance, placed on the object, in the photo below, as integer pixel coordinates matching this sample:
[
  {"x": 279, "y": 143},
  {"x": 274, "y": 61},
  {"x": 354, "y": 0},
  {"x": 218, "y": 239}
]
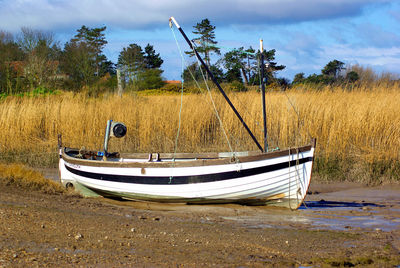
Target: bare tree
[{"x": 40, "y": 49}]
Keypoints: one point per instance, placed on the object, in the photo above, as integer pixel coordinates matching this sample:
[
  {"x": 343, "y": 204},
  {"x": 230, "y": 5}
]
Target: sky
[{"x": 306, "y": 34}]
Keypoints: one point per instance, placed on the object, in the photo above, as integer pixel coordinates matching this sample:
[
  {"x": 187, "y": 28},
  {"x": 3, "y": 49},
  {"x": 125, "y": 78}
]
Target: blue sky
[{"x": 306, "y": 34}]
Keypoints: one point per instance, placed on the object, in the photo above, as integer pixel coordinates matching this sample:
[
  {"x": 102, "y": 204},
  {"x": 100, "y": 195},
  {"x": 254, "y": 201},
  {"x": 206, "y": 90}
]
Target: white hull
[{"x": 275, "y": 178}]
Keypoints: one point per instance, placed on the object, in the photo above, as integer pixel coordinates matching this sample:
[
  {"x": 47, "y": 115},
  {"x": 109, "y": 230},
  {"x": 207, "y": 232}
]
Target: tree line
[
  {"x": 34, "y": 60},
  {"x": 241, "y": 65}
]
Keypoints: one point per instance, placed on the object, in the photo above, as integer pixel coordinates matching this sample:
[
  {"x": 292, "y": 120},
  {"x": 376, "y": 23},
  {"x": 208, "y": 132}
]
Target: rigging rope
[
  {"x": 184, "y": 63},
  {"x": 180, "y": 109},
  {"x": 215, "y": 108},
  {"x": 180, "y": 113},
  {"x": 299, "y": 120},
  {"x": 227, "y": 48}
]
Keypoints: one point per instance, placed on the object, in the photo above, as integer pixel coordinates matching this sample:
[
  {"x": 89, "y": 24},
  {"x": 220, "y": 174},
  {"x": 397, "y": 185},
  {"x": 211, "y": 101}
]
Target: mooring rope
[
  {"x": 290, "y": 205},
  {"x": 298, "y": 176}
]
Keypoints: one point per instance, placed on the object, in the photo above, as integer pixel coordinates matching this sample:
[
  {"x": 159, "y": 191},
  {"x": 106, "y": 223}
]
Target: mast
[
  {"x": 172, "y": 19},
  {"x": 263, "y": 97}
]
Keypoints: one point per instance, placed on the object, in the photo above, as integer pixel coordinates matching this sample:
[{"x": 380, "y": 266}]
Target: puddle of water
[
  {"x": 268, "y": 221},
  {"x": 342, "y": 223},
  {"x": 323, "y": 219},
  {"x": 336, "y": 205}
]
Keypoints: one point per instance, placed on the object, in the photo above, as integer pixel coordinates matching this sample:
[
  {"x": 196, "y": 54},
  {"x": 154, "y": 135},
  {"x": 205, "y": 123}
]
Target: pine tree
[
  {"x": 333, "y": 69},
  {"x": 298, "y": 78},
  {"x": 131, "y": 60},
  {"x": 152, "y": 60},
  {"x": 82, "y": 58},
  {"x": 206, "y": 40},
  {"x": 95, "y": 40},
  {"x": 271, "y": 66},
  {"x": 77, "y": 61},
  {"x": 139, "y": 68},
  {"x": 240, "y": 61}
]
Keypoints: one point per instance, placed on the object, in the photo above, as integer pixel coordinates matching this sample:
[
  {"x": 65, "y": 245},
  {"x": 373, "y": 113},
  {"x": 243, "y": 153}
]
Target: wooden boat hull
[{"x": 278, "y": 178}]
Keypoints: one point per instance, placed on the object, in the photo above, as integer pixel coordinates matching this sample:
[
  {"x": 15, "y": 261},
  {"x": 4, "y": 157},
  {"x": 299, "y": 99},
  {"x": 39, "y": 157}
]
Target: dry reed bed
[
  {"x": 26, "y": 178},
  {"x": 360, "y": 124}
]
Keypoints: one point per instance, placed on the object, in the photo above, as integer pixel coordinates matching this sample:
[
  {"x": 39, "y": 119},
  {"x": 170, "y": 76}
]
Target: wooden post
[
  {"x": 172, "y": 20},
  {"x": 263, "y": 97},
  {"x": 119, "y": 83}
]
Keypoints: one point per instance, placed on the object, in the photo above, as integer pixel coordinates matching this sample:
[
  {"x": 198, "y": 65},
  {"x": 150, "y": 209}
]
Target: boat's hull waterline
[{"x": 277, "y": 178}]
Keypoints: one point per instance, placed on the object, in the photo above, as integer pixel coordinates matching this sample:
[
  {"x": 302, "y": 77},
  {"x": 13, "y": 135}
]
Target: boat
[{"x": 279, "y": 178}]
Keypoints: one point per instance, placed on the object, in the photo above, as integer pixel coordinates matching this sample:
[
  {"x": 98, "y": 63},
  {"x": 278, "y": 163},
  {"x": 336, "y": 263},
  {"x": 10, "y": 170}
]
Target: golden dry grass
[
  {"x": 23, "y": 177},
  {"x": 361, "y": 124}
]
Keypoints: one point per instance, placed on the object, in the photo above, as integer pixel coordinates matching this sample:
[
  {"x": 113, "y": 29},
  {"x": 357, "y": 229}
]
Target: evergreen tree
[
  {"x": 352, "y": 76},
  {"x": 283, "y": 83},
  {"x": 298, "y": 78},
  {"x": 83, "y": 59},
  {"x": 217, "y": 72},
  {"x": 241, "y": 61},
  {"x": 149, "y": 79},
  {"x": 233, "y": 75},
  {"x": 77, "y": 62},
  {"x": 152, "y": 60},
  {"x": 94, "y": 37},
  {"x": 234, "y": 62},
  {"x": 333, "y": 69},
  {"x": 206, "y": 40},
  {"x": 319, "y": 79},
  {"x": 95, "y": 40},
  {"x": 132, "y": 61},
  {"x": 330, "y": 74},
  {"x": 191, "y": 73},
  {"x": 139, "y": 68},
  {"x": 270, "y": 68}
]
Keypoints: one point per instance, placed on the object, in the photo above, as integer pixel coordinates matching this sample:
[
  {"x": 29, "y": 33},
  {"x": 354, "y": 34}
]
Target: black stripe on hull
[{"x": 188, "y": 179}]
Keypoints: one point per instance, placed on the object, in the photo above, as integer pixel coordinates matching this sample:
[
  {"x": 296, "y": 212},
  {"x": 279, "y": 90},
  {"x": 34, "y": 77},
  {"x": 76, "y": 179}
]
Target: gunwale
[{"x": 182, "y": 159}]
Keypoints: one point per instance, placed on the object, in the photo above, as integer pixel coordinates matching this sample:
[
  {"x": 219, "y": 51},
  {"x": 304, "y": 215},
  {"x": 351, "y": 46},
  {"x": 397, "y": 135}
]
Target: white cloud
[
  {"x": 348, "y": 52},
  {"x": 380, "y": 59},
  {"x": 377, "y": 36},
  {"x": 56, "y": 14},
  {"x": 386, "y": 59},
  {"x": 302, "y": 49}
]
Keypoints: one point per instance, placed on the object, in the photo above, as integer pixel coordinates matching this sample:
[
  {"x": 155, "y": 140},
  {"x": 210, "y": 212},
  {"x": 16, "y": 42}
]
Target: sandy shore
[{"x": 341, "y": 225}]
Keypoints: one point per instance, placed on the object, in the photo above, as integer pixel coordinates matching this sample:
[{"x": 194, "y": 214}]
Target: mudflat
[{"x": 341, "y": 224}]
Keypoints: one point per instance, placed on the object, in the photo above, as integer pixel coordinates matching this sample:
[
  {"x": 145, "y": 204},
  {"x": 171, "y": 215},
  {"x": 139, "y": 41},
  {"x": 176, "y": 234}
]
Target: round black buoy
[{"x": 118, "y": 130}]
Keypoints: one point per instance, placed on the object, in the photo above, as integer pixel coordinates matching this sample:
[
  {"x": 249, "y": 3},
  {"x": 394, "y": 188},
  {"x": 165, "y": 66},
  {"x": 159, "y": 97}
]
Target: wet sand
[{"x": 341, "y": 224}]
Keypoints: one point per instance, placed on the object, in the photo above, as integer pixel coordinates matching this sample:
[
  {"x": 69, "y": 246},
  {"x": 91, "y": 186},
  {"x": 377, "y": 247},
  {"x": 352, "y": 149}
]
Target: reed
[
  {"x": 355, "y": 130},
  {"x": 26, "y": 178}
]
